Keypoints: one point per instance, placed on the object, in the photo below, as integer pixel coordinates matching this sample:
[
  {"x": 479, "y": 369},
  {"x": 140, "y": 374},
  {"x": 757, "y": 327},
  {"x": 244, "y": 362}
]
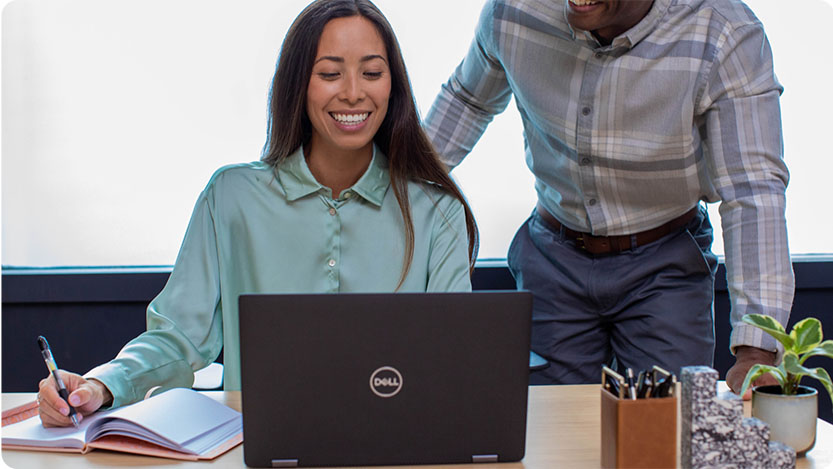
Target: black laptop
[{"x": 354, "y": 379}]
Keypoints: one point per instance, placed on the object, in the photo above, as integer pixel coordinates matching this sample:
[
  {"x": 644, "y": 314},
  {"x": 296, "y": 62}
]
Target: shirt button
[
  {"x": 586, "y": 110},
  {"x": 592, "y": 202},
  {"x": 332, "y": 263},
  {"x": 599, "y": 55},
  {"x": 585, "y": 161},
  {"x": 332, "y": 211},
  {"x": 347, "y": 195}
]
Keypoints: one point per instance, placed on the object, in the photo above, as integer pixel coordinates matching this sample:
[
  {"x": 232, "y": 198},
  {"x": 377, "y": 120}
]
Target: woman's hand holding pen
[{"x": 86, "y": 395}]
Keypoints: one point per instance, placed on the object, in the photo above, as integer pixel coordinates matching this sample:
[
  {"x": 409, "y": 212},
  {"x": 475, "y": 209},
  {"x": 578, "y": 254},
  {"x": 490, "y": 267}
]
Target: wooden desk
[{"x": 563, "y": 431}]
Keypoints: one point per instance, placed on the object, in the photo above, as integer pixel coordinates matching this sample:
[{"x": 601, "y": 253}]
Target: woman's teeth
[
  {"x": 582, "y": 3},
  {"x": 350, "y": 118}
]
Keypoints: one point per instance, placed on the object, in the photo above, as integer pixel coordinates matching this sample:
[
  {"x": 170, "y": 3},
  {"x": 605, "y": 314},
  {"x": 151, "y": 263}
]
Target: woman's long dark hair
[{"x": 411, "y": 155}]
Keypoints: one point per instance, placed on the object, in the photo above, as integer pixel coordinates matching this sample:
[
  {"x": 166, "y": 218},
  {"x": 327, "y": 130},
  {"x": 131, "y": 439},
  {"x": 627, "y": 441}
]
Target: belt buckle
[{"x": 595, "y": 244}]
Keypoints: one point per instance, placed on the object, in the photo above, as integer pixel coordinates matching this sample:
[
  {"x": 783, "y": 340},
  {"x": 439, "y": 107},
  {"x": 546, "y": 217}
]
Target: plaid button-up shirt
[{"x": 622, "y": 138}]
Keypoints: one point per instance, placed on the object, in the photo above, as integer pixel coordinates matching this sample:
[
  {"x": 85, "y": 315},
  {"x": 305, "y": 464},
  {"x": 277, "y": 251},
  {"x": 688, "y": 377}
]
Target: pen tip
[{"x": 42, "y": 343}]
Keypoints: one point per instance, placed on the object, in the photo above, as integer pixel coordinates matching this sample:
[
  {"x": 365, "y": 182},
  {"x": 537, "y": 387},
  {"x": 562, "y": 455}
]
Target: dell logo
[
  {"x": 386, "y": 381},
  {"x": 383, "y": 382}
]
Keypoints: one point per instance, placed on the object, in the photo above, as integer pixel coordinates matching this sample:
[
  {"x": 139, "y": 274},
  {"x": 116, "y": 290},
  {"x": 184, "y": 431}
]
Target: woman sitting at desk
[{"x": 349, "y": 197}]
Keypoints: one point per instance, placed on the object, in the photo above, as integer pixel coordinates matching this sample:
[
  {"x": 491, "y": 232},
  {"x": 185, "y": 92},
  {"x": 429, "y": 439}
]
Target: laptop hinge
[
  {"x": 284, "y": 463},
  {"x": 484, "y": 458}
]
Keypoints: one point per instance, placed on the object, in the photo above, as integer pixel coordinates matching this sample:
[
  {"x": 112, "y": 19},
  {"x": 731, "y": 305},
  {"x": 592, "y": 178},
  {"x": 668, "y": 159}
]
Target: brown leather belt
[{"x": 599, "y": 245}]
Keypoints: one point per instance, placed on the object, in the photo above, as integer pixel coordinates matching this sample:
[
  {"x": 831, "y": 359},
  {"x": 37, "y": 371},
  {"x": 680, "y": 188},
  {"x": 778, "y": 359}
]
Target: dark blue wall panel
[{"x": 88, "y": 314}]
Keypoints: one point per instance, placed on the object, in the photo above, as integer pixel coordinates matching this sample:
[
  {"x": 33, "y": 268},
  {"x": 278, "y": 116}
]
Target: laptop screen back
[{"x": 366, "y": 379}]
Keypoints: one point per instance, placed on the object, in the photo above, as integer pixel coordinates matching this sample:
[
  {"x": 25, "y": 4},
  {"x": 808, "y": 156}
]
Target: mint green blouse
[{"x": 259, "y": 230}]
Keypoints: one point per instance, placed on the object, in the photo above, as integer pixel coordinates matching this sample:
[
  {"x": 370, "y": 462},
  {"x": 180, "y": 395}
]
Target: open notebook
[{"x": 179, "y": 424}]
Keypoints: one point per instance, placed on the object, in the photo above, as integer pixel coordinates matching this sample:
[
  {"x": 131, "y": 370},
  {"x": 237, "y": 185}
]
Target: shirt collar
[
  {"x": 374, "y": 183},
  {"x": 297, "y": 180},
  {"x": 648, "y": 24},
  {"x": 637, "y": 33}
]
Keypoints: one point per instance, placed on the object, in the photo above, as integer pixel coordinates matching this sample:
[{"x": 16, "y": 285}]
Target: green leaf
[
  {"x": 771, "y": 327},
  {"x": 759, "y": 370},
  {"x": 806, "y": 334},
  {"x": 821, "y": 375},
  {"x": 825, "y": 349},
  {"x": 791, "y": 364},
  {"x": 794, "y": 370}
]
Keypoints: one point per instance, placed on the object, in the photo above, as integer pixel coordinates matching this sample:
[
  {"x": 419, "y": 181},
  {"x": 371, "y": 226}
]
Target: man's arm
[
  {"x": 743, "y": 125},
  {"x": 476, "y": 92}
]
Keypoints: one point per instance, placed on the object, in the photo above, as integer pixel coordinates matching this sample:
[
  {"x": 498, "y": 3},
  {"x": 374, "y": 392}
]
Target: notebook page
[
  {"x": 130, "y": 430},
  {"x": 212, "y": 440},
  {"x": 31, "y": 432},
  {"x": 177, "y": 415}
]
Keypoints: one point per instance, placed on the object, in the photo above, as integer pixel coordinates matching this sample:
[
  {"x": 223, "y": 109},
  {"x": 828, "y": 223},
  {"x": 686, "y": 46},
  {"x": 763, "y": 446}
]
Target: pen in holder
[{"x": 639, "y": 432}]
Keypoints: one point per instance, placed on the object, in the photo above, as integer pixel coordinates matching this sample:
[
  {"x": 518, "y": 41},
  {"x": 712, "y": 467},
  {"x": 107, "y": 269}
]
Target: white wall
[{"x": 116, "y": 112}]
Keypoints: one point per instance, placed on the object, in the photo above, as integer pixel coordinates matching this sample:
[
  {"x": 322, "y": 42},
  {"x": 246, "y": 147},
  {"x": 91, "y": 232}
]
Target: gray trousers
[{"x": 647, "y": 306}]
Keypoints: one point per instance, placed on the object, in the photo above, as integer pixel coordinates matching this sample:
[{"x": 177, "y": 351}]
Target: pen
[
  {"x": 643, "y": 389},
  {"x": 53, "y": 368},
  {"x": 631, "y": 384}
]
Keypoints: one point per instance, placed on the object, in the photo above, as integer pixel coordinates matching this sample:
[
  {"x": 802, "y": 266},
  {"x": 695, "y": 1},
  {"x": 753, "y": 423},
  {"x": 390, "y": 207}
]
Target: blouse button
[
  {"x": 332, "y": 211},
  {"x": 332, "y": 263}
]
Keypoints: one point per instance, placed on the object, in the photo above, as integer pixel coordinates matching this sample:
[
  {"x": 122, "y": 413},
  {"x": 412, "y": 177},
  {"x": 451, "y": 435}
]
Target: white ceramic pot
[{"x": 791, "y": 419}]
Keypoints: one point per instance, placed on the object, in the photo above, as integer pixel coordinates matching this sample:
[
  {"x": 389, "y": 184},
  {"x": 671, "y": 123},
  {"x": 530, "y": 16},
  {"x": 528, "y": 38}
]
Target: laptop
[{"x": 353, "y": 379}]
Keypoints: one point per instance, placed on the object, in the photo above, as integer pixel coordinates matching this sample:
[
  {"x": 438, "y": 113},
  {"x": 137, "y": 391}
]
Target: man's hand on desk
[
  {"x": 745, "y": 358},
  {"x": 86, "y": 395}
]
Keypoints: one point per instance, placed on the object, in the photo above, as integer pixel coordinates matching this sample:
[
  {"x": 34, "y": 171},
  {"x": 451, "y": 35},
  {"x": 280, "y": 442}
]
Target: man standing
[{"x": 634, "y": 111}]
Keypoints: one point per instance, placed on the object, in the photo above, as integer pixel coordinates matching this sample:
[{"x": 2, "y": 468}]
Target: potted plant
[{"x": 790, "y": 408}]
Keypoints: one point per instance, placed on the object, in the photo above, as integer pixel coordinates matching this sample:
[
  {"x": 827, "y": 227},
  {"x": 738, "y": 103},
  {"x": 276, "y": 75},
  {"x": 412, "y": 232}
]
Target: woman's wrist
[{"x": 104, "y": 392}]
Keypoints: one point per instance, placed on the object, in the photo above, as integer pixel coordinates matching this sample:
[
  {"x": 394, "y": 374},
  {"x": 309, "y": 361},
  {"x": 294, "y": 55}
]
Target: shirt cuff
[
  {"x": 115, "y": 378},
  {"x": 747, "y": 334}
]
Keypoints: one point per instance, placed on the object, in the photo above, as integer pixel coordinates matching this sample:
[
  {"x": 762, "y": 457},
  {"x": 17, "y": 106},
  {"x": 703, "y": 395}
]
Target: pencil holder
[{"x": 638, "y": 432}]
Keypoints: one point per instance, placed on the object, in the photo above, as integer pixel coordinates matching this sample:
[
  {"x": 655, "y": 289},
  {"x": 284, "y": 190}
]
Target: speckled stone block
[
  {"x": 781, "y": 456},
  {"x": 745, "y": 447},
  {"x": 699, "y": 383},
  {"x": 716, "y": 435},
  {"x": 699, "y": 389},
  {"x": 708, "y": 453},
  {"x": 719, "y": 418},
  {"x": 750, "y": 446},
  {"x": 711, "y": 425}
]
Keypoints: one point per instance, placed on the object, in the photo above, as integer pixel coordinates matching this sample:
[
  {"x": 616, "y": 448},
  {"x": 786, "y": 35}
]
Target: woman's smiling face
[{"x": 348, "y": 92}]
